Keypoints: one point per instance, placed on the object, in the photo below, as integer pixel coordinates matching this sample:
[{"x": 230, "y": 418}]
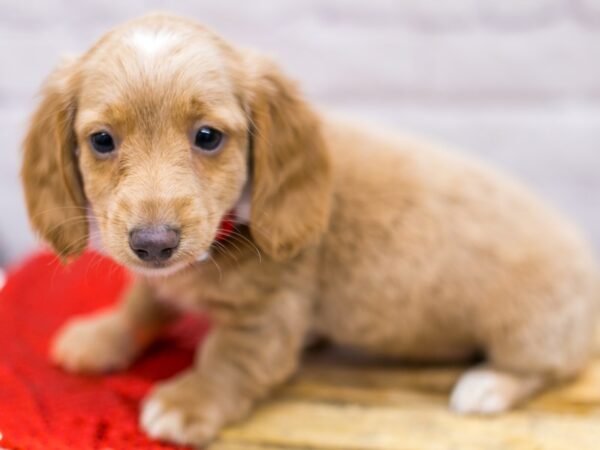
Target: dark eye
[
  {"x": 102, "y": 142},
  {"x": 208, "y": 139}
]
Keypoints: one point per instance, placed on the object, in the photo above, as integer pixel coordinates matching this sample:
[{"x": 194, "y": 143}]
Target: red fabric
[{"x": 44, "y": 408}]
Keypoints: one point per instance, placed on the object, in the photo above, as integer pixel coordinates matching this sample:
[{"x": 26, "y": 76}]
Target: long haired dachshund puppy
[{"x": 162, "y": 130}]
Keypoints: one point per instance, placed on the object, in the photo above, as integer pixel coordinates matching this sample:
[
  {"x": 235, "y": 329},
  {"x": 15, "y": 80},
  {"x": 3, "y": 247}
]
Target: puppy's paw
[
  {"x": 486, "y": 391},
  {"x": 178, "y": 412},
  {"x": 94, "y": 344}
]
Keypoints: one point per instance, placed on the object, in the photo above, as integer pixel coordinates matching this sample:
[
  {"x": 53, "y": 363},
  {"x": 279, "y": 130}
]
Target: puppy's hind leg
[
  {"x": 487, "y": 390},
  {"x": 537, "y": 353}
]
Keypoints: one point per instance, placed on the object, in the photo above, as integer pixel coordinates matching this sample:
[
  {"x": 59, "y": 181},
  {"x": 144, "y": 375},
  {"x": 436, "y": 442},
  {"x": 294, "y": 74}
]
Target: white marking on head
[{"x": 152, "y": 42}]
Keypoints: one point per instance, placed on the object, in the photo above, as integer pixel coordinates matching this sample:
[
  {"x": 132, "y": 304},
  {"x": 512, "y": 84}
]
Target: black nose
[{"x": 154, "y": 243}]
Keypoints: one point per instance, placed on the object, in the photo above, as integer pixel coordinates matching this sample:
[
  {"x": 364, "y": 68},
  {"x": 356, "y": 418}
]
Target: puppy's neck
[
  {"x": 239, "y": 215},
  {"x": 242, "y": 207}
]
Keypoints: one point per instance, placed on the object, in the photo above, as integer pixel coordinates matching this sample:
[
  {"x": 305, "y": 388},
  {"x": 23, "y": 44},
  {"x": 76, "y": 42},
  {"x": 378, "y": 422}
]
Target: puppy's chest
[
  {"x": 193, "y": 288},
  {"x": 206, "y": 284}
]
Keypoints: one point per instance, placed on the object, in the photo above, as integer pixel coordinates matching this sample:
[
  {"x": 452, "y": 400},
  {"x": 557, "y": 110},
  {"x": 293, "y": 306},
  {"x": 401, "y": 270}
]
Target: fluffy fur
[{"x": 377, "y": 241}]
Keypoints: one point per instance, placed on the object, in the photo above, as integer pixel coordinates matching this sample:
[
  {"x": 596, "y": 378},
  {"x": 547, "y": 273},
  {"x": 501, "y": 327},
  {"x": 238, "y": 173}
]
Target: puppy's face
[
  {"x": 162, "y": 136},
  {"x": 153, "y": 129}
]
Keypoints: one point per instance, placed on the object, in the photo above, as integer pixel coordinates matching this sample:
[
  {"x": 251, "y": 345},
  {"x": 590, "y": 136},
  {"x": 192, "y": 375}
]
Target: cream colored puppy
[{"x": 372, "y": 240}]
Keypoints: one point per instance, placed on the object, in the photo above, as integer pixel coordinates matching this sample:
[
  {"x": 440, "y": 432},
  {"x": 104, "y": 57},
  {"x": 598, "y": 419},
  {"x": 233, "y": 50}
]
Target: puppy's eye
[
  {"x": 102, "y": 142},
  {"x": 208, "y": 139}
]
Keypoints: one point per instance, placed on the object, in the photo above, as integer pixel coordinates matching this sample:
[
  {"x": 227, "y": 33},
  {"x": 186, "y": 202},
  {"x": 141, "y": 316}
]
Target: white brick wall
[{"x": 516, "y": 82}]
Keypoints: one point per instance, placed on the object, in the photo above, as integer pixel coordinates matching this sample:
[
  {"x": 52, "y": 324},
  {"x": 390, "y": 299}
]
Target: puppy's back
[{"x": 428, "y": 248}]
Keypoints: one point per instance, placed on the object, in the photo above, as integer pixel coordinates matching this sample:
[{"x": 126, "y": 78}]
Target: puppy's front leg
[
  {"x": 111, "y": 339},
  {"x": 249, "y": 353}
]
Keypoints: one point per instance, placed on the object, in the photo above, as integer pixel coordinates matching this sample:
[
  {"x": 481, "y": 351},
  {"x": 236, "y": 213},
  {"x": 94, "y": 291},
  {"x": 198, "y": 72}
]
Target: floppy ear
[
  {"x": 291, "y": 179},
  {"x": 53, "y": 192}
]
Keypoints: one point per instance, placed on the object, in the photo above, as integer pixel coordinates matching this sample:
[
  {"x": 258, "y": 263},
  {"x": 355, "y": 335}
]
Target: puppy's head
[{"x": 156, "y": 130}]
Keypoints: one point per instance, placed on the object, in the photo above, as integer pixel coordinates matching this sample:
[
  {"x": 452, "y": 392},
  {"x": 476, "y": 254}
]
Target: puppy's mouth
[{"x": 157, "y": 267}]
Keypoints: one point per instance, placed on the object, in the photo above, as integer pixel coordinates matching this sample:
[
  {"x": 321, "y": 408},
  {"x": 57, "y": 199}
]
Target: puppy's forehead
[{"x": 151, "y": 65}]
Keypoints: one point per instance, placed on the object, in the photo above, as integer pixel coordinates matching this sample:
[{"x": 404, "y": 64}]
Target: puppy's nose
[{"x": 154, "y": 243}]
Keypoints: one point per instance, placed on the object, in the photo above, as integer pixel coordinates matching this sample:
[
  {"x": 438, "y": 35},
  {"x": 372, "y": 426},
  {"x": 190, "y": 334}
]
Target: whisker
[
  {"x": 240, "y": 237},
  {"x": 223, "y": 250},
  {"x": 217, "y": 266}
]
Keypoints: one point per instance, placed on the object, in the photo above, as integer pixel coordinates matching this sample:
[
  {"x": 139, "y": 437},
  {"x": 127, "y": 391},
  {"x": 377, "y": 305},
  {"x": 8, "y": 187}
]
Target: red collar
[
  {"x": 239, "y": 214},
  {"x": 227, "y": 226}
]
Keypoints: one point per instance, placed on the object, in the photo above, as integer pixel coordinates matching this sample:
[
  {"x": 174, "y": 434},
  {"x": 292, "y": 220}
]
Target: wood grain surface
[{"x": 345, "y": 403}]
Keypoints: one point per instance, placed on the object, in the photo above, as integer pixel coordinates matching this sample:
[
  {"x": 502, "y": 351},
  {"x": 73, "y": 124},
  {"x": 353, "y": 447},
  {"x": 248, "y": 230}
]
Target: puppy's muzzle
[{"x": 154, "y": 244}]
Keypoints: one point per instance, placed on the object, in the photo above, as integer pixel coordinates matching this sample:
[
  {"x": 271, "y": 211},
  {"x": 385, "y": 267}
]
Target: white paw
[
  {"x": 179, "y": 411},
  {"x": 93, "y": 344},
  {"x": 481, "y": 391},
  {"x": 161, "y": 423}
]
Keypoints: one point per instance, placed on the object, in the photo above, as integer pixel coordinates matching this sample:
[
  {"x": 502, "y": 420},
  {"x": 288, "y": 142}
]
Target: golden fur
[{"x": 373, "y": 240}]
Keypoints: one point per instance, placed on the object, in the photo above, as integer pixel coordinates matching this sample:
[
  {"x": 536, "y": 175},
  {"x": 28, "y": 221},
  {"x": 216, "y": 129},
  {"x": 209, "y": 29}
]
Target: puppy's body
[
  {"x": 428, "y": 256},
  {"x": 376, "y": 241},
  {"x": 446, "y": 257}
]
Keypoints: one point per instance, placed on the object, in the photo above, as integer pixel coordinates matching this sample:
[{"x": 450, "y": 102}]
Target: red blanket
[{"x": 44, "y": 408}]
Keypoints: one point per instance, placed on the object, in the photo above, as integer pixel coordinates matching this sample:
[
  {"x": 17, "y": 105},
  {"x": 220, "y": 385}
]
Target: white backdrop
[{"x": 516, "y": 82}]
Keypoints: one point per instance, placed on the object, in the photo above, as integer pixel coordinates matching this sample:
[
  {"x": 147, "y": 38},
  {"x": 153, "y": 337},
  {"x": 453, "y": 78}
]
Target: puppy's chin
[{"x": 158, "y": 271}]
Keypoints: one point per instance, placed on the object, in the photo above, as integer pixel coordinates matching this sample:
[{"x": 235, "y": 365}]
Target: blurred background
[{"x": 514, "y": 82}]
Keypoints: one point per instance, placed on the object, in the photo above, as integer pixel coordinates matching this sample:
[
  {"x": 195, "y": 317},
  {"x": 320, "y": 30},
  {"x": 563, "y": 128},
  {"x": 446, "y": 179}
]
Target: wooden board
[{"x": 342, "y": 404}]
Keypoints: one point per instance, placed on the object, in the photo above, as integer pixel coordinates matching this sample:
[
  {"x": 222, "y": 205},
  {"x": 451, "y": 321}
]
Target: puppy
[{"x": 385, "y": 243}]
